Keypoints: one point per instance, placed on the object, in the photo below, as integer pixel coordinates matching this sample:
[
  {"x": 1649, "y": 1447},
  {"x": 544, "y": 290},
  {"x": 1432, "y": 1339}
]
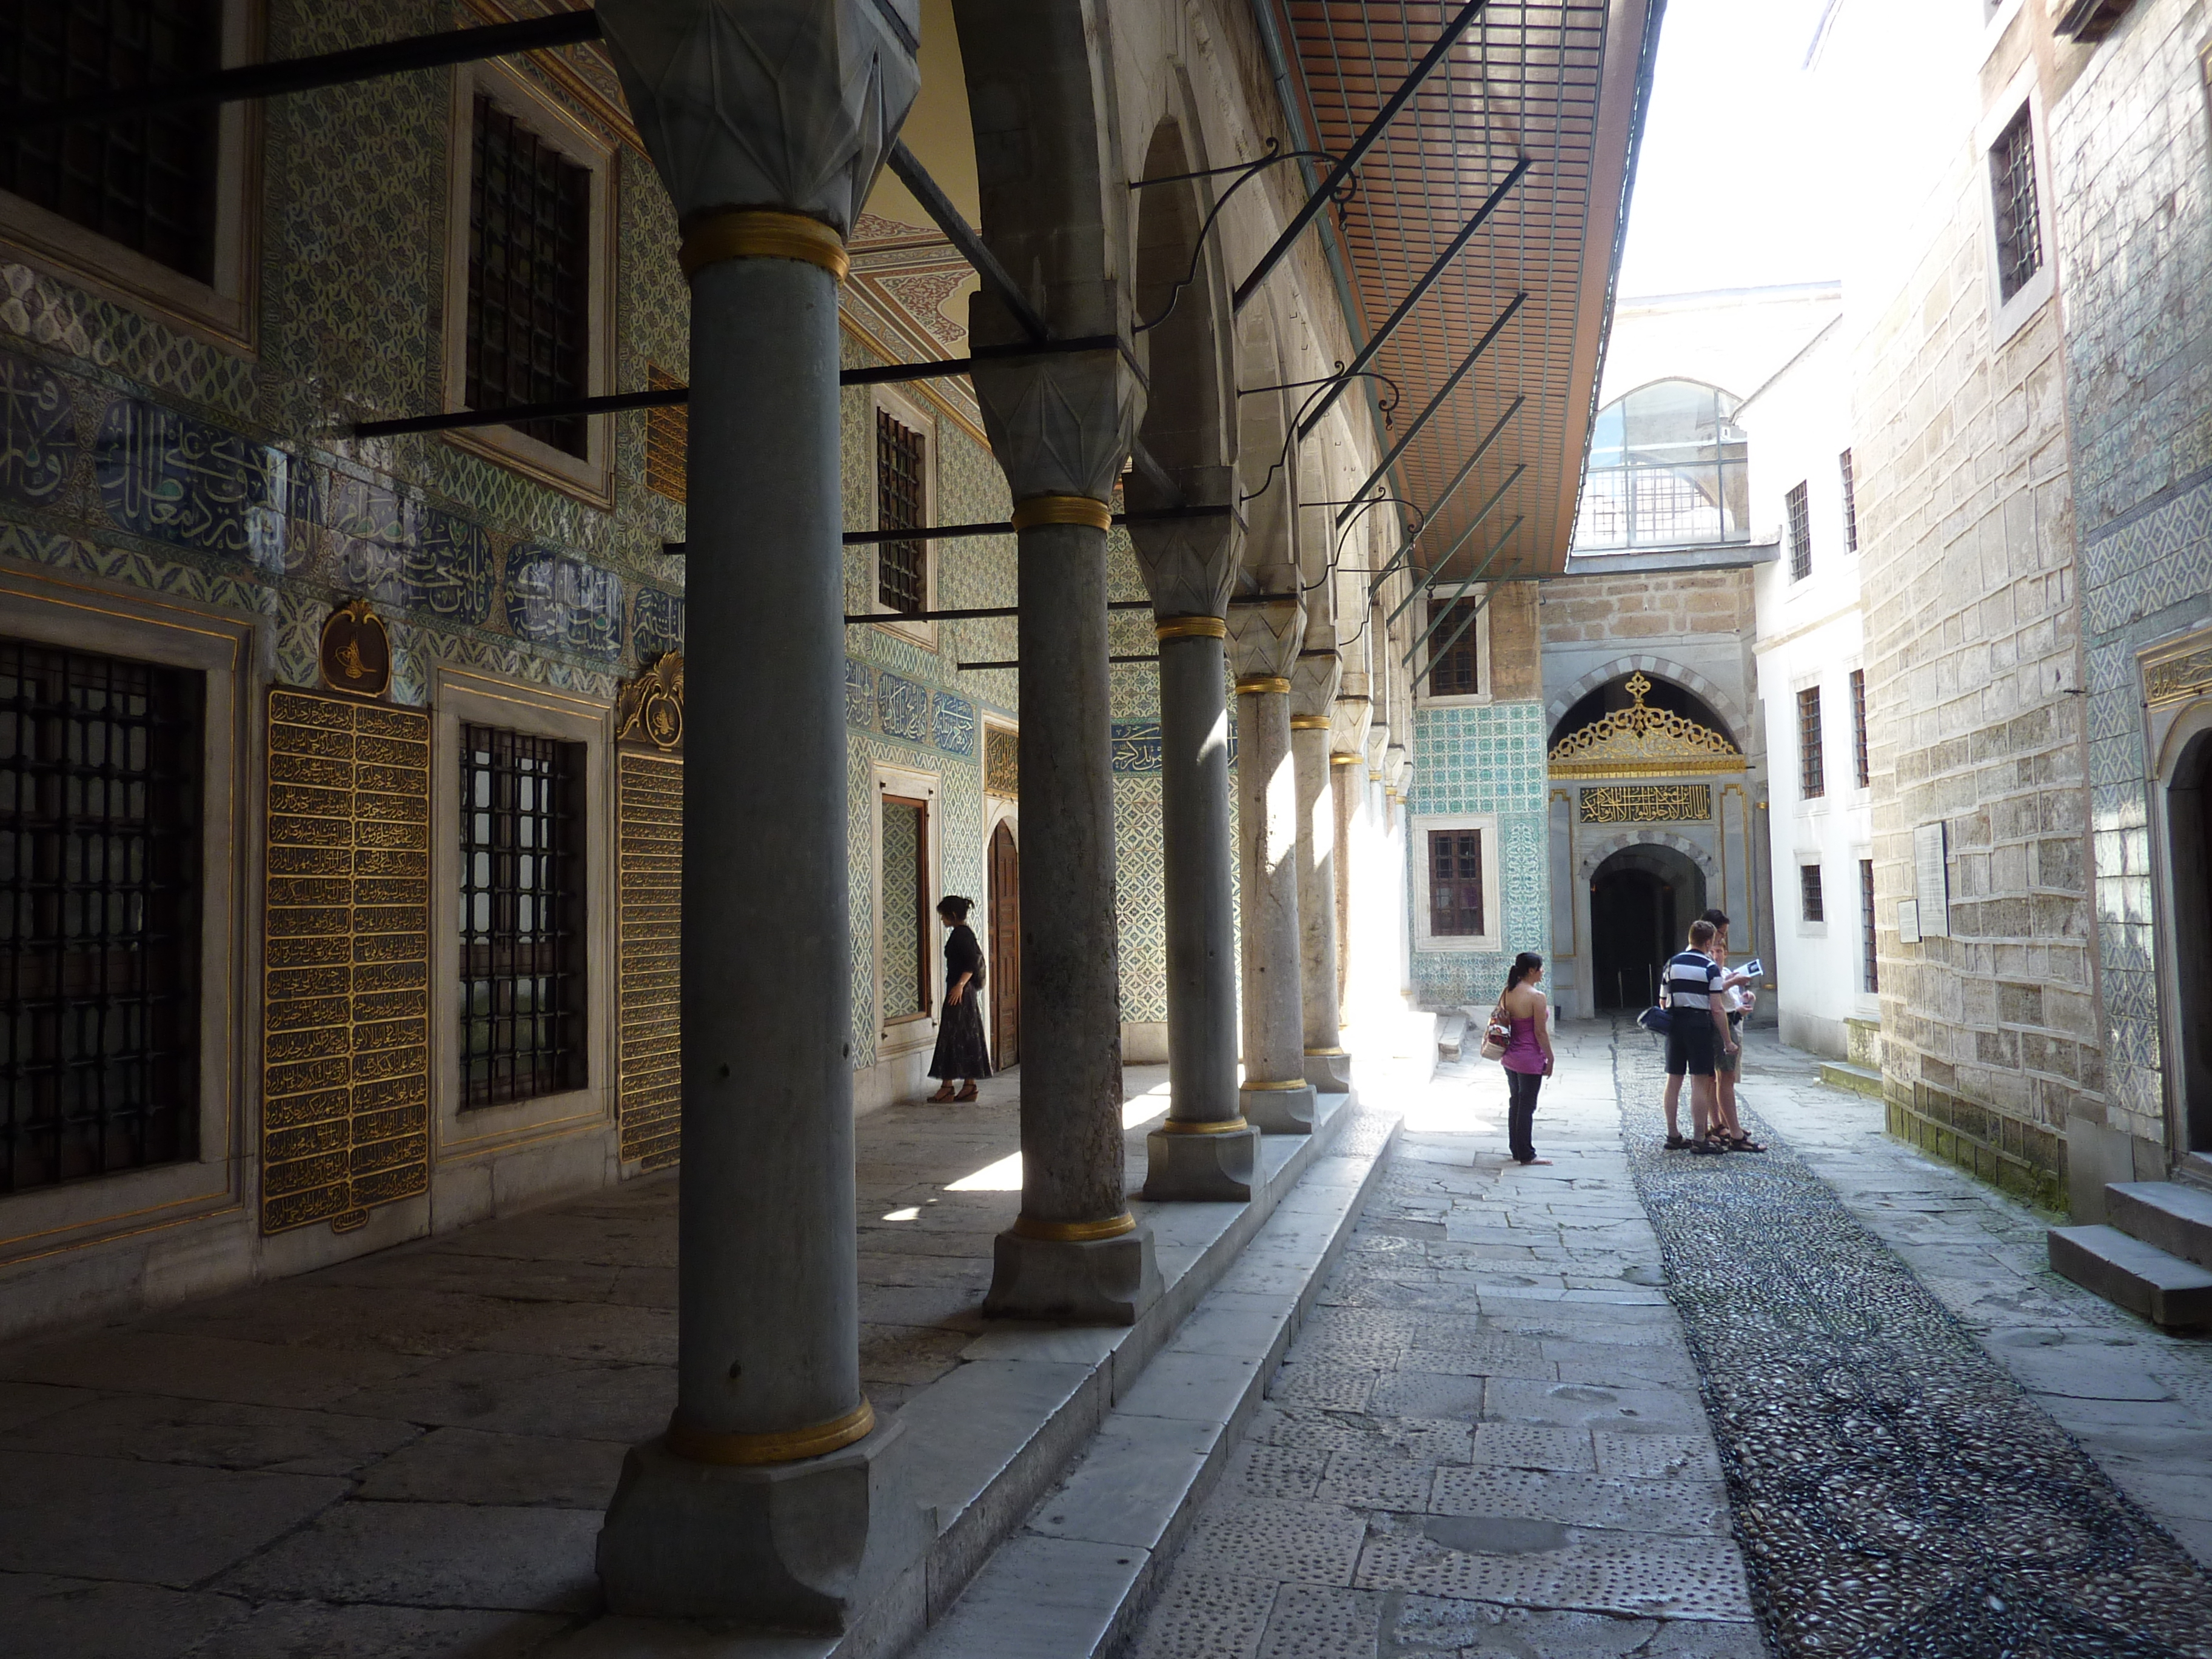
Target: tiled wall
[{"x": 1484, "y": 758}]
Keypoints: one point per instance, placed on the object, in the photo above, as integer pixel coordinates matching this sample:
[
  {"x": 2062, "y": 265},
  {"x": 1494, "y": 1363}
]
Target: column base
[
  {"x": 1278, "y": 1111},
  {"x": 796, "y": 1547},
  {"x": 1330, "y": 1071},
  {"x": 1200, "y": 1169},
  {"x": 1100, "y": 1281}
]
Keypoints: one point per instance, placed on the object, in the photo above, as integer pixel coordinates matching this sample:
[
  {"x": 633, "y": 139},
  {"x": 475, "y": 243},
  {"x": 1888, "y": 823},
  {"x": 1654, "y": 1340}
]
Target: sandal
[
  {"x": 1743, "y": 1144},
  {"x": 968, "y": 1093},
  {"x": 943, "y": 1095},
  {"x": 1706, "y": 1149},
  {"x": 1676, "y": 1143}
]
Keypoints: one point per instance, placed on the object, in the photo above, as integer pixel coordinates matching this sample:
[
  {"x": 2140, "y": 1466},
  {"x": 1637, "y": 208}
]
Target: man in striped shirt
[{"x": 1698, "y": 1030}]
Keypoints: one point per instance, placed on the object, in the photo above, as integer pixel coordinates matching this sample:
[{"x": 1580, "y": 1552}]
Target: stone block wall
[
  {"x": 1989, "y": 1036},
  {"x": 1592, "y": 609}
]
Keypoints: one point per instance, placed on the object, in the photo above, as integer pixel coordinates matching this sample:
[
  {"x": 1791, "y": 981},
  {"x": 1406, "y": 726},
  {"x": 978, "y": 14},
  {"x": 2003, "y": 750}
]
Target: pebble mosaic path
[{"x": 1636, "y": 1403}]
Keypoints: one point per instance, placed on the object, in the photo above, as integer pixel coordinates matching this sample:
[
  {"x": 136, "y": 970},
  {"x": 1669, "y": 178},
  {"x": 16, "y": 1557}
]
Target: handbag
[
  {"x": 1657, "y": 1021},
  {"x": 1495, "y": 1038}
]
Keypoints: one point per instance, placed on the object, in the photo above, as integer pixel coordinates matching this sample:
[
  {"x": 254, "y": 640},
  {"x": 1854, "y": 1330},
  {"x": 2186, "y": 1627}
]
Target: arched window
[{"x": 1667, "y": 469}]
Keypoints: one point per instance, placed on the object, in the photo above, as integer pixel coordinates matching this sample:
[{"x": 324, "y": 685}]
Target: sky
[{"x": 1729, "y": 193}]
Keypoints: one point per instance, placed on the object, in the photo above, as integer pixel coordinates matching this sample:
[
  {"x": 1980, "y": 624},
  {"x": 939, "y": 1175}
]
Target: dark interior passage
[
  {"x": 1643, "y": 900},
  {"x": 2189, "y": 862}
]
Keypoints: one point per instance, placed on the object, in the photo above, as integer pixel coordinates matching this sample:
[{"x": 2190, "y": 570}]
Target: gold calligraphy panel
[
  {"x": 1002, "y": 761},
  {"x": 346, "y": 1098},
  {"x": 649, "y": 882},
  {"x": 1648, "y": 803}
]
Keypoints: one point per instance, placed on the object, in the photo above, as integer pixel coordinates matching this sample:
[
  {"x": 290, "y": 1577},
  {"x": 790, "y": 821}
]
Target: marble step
[
  {"x": 2139, "y": 1277},
  {"x": 1859, "y": 1079},
  {"x": 1452, "y": 1033},
  {"x": 2176, "y": 1219}
]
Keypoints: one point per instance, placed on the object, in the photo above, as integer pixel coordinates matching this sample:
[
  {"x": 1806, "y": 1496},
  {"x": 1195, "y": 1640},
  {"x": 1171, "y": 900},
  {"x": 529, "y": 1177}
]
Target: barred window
[
  {"x": 2012, "y": 184},
  {"x": 907, "y": 908},
  {"x": 529, "y": 238},
  {"x": 1873, "y": 979},
  {"x": 1455, "y": 882},
  {"x": 1800, "y": 507},
  {"x": 1454, "y": 669},
  {"x": 901, "y": 503},
  {"x": 1811, "y": 772},
  {"x": 99, "y": 851},
  {"x": 1808, "y": 891},
  {"x": 149, "y": 181},
  {"x": 1861, "y": 767},
  {"x": 522, "y": 916},
  {"x": 1851, "y": 503}
]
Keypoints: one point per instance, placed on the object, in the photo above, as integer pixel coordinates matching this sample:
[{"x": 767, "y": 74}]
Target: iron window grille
[
  {"x": 1851, "y": 502},
  {"x": 2012, "y": 184},
  {"x": 1456, "y": 882},
  {"x": 1811, "y": 772},
  {"x": 1862, "y": 765},
  {"x": 1808, "y": 888},
  {"x": 99, "y": 849},
  {"x": 1457, "y": 672},
  {"x": 522, "y": 1005},
  {"x": 901, "y": 571},
  {"x": 1873, "y": 976},
  {"x": 907, "y": 910},
  {"x": 1799, "y": 506},
  {"x": 1669, "y": 466},
  {"x": 530, "y": 292},
  {"x": 149, "y": 181}
]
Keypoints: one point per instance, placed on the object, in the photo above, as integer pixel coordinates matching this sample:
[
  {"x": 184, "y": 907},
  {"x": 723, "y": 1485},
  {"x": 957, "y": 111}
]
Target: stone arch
[
  {"x": 1181, "y": 291},
  {"x": 1267, "y": 465},
  {"x": 1597, "y": 852},
  {"x": 1666, "y": 668}
]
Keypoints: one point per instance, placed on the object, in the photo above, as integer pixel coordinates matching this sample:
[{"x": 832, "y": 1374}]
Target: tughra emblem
[
  {"x": 650, "y": 710},
  {"x": 356, "y": 653},
  {"x": 1642, "y": 742}
]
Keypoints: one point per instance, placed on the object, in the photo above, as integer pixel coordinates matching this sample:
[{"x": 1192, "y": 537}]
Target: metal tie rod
[
  {"x": 1443, "y": 392},
  {"x": 1474, "y": 525},
  {"x": 1015, "y": 662},
  {"x": 665, "y": 397},
  {"x": 329, "y": 69},
  {"x": 974, "y": 613},
  {"x": 1353, "y": 157},
  {"x": 1414, "y": 297},
  {"x": 946, "y": 532}
]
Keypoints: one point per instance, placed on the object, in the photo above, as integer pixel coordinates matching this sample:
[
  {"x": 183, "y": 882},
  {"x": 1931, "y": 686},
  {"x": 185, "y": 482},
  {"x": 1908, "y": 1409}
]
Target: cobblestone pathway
[
  {"x": 1897, "y": 1493},
  {"x": 1492, "y": 1437}
]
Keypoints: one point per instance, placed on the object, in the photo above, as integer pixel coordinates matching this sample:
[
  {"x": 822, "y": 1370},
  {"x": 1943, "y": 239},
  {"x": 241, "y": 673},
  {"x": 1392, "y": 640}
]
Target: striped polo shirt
[{"x": 1693, "y": 980}]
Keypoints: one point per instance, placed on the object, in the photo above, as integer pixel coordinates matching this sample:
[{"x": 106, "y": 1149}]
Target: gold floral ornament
[
  {"x": 1642, "y": 742},
  {"x": 650, "y": 709},
  {"x": 355, "y": 652}
]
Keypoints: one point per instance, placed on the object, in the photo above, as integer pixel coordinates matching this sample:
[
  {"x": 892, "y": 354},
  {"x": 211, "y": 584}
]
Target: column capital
[
  {"x": 783, "y": 104},
  {"x": 1264, "y": 638},
  {"x": 1188, "y": 564},
  {"x": 1061, "y": 424},
  {"x": 1348, "y": 718},
  {"x": 1313, "y": 682}
]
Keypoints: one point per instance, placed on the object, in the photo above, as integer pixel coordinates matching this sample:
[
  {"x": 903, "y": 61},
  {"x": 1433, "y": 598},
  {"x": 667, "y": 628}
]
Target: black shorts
[{"x": 1690, "y": 1044}]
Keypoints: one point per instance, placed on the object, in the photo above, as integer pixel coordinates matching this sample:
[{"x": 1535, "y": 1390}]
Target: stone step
[
  {"x": 1451, "y": 1032},
  {"x": 2139, "y": 1277},
  {"x": 2176, "y": 1219},
  {"x": 1859, "y": 1079}
]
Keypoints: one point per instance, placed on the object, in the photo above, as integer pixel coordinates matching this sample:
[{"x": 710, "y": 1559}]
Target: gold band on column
[
  {"x": 762, "y": 233},
  {"x": 1191, "y": 627},
  {"x": 1063, "y": 509},
  {"x": 1256, "y": 685},
  {"x": 1074, "y": 1232},
  {"x": 1308, "y": 722},
  {"x": 1295, "y": 1083},
  {"x": 743, "y": 1450},
  {"x": 1176, "y": 1127},
  {"x": 1344, "y": 760},
  {"x": 1325, "y": 1053}
]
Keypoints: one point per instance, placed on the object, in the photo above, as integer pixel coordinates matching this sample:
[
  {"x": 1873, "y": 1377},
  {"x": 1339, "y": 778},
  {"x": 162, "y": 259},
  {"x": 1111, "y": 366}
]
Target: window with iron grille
[
  {"x": 1862, "y": 767},
  {"x": 1800, "y": 507},
  {"x": 1455, "y": 882},
  {"x": 1454, "y": 671},
  {"x": 522, "y": 1005},
  {"x": 1851, "y": 503},
  {"x": 1873, "y": 976},
  {"x": 530, "y": 298},
  {"x": 2011, "y": 183},
  {"x": 1813, "y": 906},
  {"x": 147, "y": 181},
  {"x": 901, "y": 569},
  {"x": 1811, "y": 774},
  {"x": 99, "y": 852}
]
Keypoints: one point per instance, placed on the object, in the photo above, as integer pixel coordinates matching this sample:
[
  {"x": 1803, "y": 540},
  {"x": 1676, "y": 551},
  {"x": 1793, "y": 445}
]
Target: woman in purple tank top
[{"x": 1528, "y": 1057}]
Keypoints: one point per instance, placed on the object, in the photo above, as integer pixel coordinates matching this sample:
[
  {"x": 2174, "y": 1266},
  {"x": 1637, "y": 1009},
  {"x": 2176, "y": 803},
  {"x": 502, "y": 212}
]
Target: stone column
[
  {"x": 1204, "y": 1149},
  {"x": 1313, "y": 687},
  {"x": 766, "y": 1503},
  {"x": 1276, "y": 1096},
  {"x": 1060, "y": 426},
  {"x": 1347, "y": 763}
]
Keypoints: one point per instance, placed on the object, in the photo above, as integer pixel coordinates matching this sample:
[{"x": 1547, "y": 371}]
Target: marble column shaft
[
  {"x": 1317, "y": 867},
  {"x": 1266, "y": 799}
]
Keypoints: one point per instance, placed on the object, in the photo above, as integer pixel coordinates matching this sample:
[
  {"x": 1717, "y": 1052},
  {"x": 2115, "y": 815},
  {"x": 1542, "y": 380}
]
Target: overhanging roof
[{"x": 1563, "y": 83}]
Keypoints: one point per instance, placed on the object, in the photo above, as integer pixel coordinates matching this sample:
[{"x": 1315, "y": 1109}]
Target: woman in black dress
[{"x": 961, "y": 1050}]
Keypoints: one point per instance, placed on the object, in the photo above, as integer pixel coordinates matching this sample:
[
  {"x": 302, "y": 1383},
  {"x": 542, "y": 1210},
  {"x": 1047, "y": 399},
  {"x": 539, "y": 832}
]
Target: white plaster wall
[{"x": 1733, "y": 338}]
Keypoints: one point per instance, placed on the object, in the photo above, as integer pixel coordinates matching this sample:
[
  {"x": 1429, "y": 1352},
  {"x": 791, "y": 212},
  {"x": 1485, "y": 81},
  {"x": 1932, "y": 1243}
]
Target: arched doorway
[
  {"x": 1003, "y": 964},
  {"x": 2189, "y": 871},
  {"x": 1643, "y": 900}
]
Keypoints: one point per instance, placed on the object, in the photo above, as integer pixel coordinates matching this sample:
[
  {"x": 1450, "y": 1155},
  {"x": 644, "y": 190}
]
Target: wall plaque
[
  {"x": 1002, "y": 761},
  {"x": 1931, "y": 880},
  {"x": 346, "y": 1094},
  {"x": 1648, "y": 803},
  {"x": 649, "y": 906},
  {"x": 355, "y": 651}
]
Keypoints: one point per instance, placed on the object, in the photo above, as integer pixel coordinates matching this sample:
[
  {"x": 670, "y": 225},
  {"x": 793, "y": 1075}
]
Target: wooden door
[{"x": 1003, "y": 968}]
